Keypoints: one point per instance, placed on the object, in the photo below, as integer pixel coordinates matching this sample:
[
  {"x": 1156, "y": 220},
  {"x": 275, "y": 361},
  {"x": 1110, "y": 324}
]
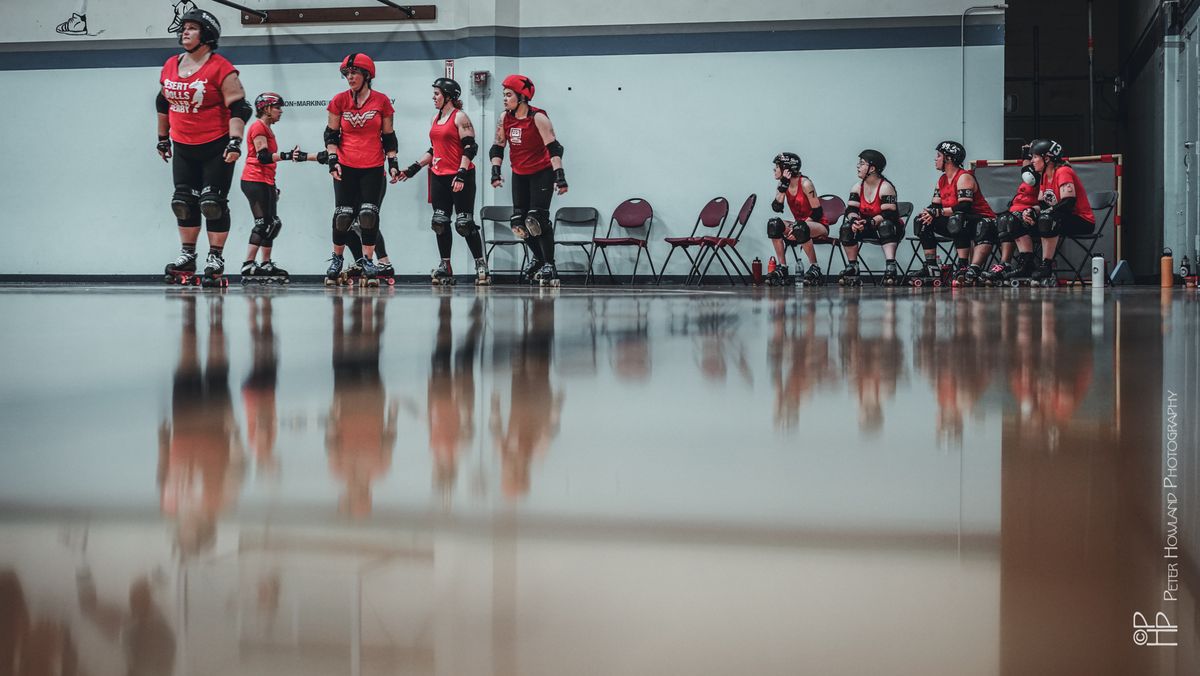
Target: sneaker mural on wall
[
  {"x": 180, "y": 7},
  {"x": 77, "y": 24}
]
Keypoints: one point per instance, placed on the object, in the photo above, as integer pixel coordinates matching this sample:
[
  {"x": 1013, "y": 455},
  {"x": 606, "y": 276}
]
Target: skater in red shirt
[
  {"x": 536, "y": 174},
  {"x": 358, "y": 139},
  {"x": 958, "y": 211},
  {"x": 452, "y": 186},
  {"x": 1063, "y": 208},
  {"x": 800, "y": 195},
  {"x": 1013, "y": 232},
  {"x": 871, "y": 212},
  {"x": 202, "y": 112}
]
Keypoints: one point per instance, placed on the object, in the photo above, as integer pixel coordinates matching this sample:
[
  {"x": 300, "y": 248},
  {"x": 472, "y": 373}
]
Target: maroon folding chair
[
  {"x": 634, "y": 216},
  {"x": 712, "y": 218},
  {"x": 833, "y": 208},
  {"x": 724, "y": 248}
]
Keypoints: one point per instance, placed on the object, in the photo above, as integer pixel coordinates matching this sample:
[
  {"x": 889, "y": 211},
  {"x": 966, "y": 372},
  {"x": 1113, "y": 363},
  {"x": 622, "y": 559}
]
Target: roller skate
[
  {"x": 370, "y": 273},
  {"x": 482, "y": 277},
  {"x": 891, "y": 274},
  {"x": 182, "y": 270},
  {"x": 777, "y": 275},
  {"x": 442, "y": 275},
  {"x": 386, "y": 274},
  {"x": 249, "y": 272},
  {"x": 849, "y": 276},
  {"x": 994, "y": 276},
  {"x": 1020, "y": 271},
  {"x": 1044, "y": 275},
  {"x": 270, "y": 273},
  {"x": 929, "y": 275},
  {"x": 351, "y": 276},
  {"x": 333, "y": 274},
  {"x": 529, "y": 274},
  {"x": 966, "y": 277},
  {"x": 548, "y": 275},
  {"x": 214, "y": 272},
  {"x": 812, "y": 276}
]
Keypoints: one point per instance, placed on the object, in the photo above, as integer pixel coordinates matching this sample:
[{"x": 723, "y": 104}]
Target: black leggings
[
  {"x": 531, "y": 195},
  {"x": 930, "y": 233},
  {"x": 200, "y": 170},
  {"x": 264, "y": 199},
  {"x": 447, "y": 202},
  {"x": 359, "y": 187}
]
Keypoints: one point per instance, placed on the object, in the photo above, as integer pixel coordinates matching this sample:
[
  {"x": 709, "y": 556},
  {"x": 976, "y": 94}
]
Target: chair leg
[
  {"x": 604, "y": 254},
  {"x": 726, "y": 269},
  {"x": 658, "y": 281},
  {"x": 651, "y": 262},
  {"x": 591, "y": 258},
  {"x": 691, "y": 270}
]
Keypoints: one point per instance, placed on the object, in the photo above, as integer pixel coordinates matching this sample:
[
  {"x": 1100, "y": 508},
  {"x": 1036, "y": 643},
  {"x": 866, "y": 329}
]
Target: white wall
[{"x": 675, "y": 128}]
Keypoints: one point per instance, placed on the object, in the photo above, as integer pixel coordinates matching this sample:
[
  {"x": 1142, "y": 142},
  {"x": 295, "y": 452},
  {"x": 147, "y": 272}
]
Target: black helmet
[
  {"x": 789, "y": 162},
  {"x": 210, "y": 28},
  {"x": 1048, "y": 149},
  {"x": 448, "y": 87},
  {"x": 874, "y": 157},
  {"x": 266, "y": 100},
  {"x": 954, "y": 151}
]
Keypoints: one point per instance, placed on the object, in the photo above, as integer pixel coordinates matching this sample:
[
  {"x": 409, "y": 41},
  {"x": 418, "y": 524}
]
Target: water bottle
[
  {"x": 756, "y": 275},
  {"x": 1099, "y": 272},
  {"x": 1166, "y": 273}
]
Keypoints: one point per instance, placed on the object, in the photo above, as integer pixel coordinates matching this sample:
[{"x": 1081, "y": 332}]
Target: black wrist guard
[
  {"x": 461, "y": 175},
  {"x": 784, "y": 184},
  {"x": 285, "y": 156},
  {"x": 299, "y": 156},
  {"x": 393, "y": 166},
  {"x": 332, "y": 160},
  {"x": 560, "y": 178},
  {"x": 413, "y": 169},
  {"x": 164, "y": 143},
  {"x": 496, "y": 171},
  {"x": 235, "y": 145}
]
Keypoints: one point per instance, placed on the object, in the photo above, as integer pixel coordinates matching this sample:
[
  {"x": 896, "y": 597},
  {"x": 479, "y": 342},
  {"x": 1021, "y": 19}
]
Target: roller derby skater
[
  {"x": 202, "y": 114},
  {"x": 1012, "y": 231},
  {"x": 797, "y": 191},
  {"x": 1063, "y": 208},
  {"x": 958, "y": 212},
  {"x": 872, "y": 215},
  {"x": 548, "y": 275},
  {"x": 537, "y": 171},
  {"x": 777, "y": 275},
  {"x": 812, "y": 276},
  {"x": 452, "y": 187}
]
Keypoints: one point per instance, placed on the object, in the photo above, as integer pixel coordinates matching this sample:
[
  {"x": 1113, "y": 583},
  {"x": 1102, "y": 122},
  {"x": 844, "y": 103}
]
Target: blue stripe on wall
[{"x": 541, "y": 46}]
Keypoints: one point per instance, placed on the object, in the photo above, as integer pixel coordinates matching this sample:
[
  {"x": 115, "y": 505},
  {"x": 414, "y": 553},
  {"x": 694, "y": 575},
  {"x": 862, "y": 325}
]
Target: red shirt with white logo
[
  {"x": 1052, "y": 182},
  {"x": 529, "y": 154},
  {"x": 362, "y": 128},
  {"x": 254, "y": 170},
  {"x": 948, "y": 191},
  {"x": 798, "y": 203},
  {"x": 447, "y": 146},
  {"x": 197, "y": 107}
]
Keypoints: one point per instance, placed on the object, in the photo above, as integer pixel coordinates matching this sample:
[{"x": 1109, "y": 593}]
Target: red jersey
[
  {"x": 447, "y": 146},
  {"x": 197, "y": 107},
  {"x": 529, "y": 154},
  {"x": 874, "y": 207},
  {"x": 1026, "y": 197},
  {"x": 798, "y": 203},
  {"x": 1052, "y": 182},
  {"x": 254, "y": 170},
  {"x": 948, "y": 191},
  {"x": 362, "y": 128}
]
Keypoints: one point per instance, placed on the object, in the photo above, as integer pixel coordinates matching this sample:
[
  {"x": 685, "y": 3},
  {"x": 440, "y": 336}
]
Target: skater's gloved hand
[
  {"x": 412, "y": 170},
  {"x": 1028, "y": 215},
  {"x": 784, "y": 184},
  {"x": 299, "y": 155},
  {"x": 858, "y": 225},
  {"x": 497, "y": 179},
  {"x": 394, "y": 169},
  {"x": 460, "y": 180},
  {"x": 164, "y": 148},
  {"x": 560, "y": 181},
  {"x": 234, "y": 150},
  {"x": 335, "y": 169}
]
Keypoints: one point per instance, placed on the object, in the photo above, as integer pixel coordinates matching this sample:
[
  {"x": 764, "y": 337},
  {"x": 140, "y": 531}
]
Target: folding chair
[
  {"x": 1106, "y": 201},
  {"x": 578, "y": 217},
  {"x": 634, "y": 215},
  {"x": 712, "y": 217},
  {"x": 718, "y": 247},
  {"x": 905, "y": 210},
  {"x": 832, "y": 207},
  {"x": 501, "y": 235}
]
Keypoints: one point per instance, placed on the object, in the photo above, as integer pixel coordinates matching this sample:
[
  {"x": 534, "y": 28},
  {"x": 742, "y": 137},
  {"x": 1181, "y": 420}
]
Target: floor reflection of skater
[
  {"x": 954, "y": 351},
  {"x": 30, "y": 645},
  {"x": 361, "y": 430},
  {"x": 201, "y": 459},
  {"x": 258, "y": 390},
  {"x": 798, "y": 357},
  {"x": 142, "y": 629},
  {"x": 452, "y": 394},
  {"x": 533, "y": 418},
  {"x": 1054, "y": 374},
  {"x": 873, "y": 363}
]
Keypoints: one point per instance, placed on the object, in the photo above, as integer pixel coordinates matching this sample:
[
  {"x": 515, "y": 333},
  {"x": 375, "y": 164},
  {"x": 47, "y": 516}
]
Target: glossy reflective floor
[{"x": 514, "y": 482}]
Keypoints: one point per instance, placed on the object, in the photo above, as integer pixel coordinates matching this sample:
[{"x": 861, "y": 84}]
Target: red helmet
[
  {"x": 521, "y": 85},
  {"x": 361, "y": 62},
  {"x": 266, "y": 100}
]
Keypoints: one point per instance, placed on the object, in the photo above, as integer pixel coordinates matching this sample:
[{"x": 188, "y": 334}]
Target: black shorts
[
  {"x": 196, "y": 167},
  {"x": 359, "y": 187},
  {"x": 444, "y": 198},
  {"x": 533, "y": 191},
  {"x": 263, "y": 198}
]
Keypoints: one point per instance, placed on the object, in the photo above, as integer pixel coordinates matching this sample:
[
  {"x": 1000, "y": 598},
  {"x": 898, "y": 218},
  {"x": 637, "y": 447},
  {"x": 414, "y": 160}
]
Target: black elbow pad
[
  {"x": 160, "y": 104},
  {"x": 818, "y": 214},
  {"x": 333, "y": 137},
  {"x": 240, "y": 109},
  {"x": 390, "y": 144},
  {"x": 265, "y": 157},
  {"x": 496, "y": 152},
  {"x": 962, "y": 207},
  {"x": 469, "y": 147},
  {"x": 555, "y": 148}
]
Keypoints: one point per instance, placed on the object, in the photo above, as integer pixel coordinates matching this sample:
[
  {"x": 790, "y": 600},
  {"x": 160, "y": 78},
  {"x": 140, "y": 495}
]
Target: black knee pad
[
  {"x": 212, "y": 204},
  {"x": 1048, "y": 226},
  {"x": 441, "y": 221},
  {"x": 775, "y": 228},
  {"x": 1006, "y": 226},
  {"x": 517, "y": 223},
  {"x": 464, "y": 224},
  {"x": 258, "y": 234},
  {"x": 185, "y": 204},
  {"x": 890, "y": 232},
  {"x": 273, "y": 232},
  {"x": 801, "y": 232},
  {"x": 956, "y": 224},
  {"x": 343, "y": 217},
  {"x": 368, "y": 217},
  {"x": 536, "y": 221},
  {"x": 988, "y": 232},
  {"x": 846, "y": 234}
]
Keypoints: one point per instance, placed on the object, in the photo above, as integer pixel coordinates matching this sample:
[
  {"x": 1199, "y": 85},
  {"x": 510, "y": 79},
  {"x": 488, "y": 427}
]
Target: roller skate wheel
[{"x": 937, "y": 282}]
